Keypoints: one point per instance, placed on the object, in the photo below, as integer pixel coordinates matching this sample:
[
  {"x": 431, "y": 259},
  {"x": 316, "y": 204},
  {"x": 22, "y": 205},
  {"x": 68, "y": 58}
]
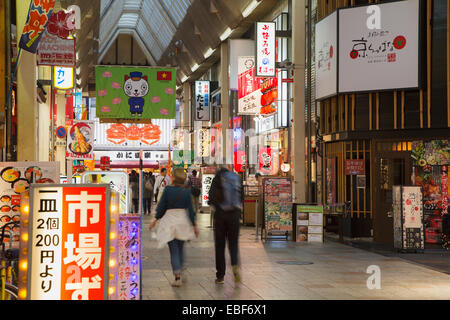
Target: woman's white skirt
[{"x": 175, "y": 224}]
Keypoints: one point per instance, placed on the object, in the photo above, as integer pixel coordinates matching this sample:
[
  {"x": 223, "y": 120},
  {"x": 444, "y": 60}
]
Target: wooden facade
[{"x": 366, "y": 125}]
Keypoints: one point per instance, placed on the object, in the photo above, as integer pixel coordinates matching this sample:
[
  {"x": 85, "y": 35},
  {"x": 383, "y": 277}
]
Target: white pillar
[{"x": 298, "y": 109}]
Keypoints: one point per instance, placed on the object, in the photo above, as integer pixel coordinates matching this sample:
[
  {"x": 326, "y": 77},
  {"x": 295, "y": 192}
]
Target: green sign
[
  {"x": 135, "y": 93},
  {"x": 309, "y": 208},
  {"x": 180, "y": 158}
]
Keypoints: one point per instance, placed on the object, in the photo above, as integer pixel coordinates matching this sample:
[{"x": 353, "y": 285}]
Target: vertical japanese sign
[
  {"x": 326, "y": 56},
  {"x": 412, "y": 212},
  {"x": 265, "y": 160},
  {"x": 129, "y": 258},
  {"x": 202, "y": 106},
  {"x": 80, "y": 140},
  {"x": 331, "y": 181},
  {"x": 40, "y": 12},
  {"x": 69, "y": 245},
  {"x": 63, "y": 78},
  {"x": 206, "y": 186},
  {"x": 249, "y": 87},
  {"x": 265, "y": 49}
]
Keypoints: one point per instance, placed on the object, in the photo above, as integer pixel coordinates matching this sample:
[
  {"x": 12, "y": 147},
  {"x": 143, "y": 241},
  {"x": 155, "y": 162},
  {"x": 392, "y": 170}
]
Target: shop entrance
[{"x": 391, "y": 169}]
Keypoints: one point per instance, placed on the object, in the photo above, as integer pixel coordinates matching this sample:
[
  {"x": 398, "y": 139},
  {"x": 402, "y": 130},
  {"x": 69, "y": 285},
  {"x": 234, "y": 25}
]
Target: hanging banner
[
  {"x": 249, "y": 87},
  {"x": 135, "y": 93},
  {"x": 80, "y": 140},
  {"x": 265, "y": 49},
  {"x": 129, "y": 258},
  {"x": 202, "y": 103},
  {"x": 206, "y": 186},
  {"x": 54, "y": 51},
  {"x": 37, "y": 20},
  {"x": 265, "y": 160}
]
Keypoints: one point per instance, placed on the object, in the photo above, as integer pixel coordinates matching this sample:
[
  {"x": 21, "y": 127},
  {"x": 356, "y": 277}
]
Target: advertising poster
[
  {"x": 380, "y": 56},
  {"x": 69, "y": 249},
  {"x": 135, "y": 93},
  {"x": 15, "y": 179},
  {"x": 249, "y": 87},
  {"x": 80, "y": 140},
  {"x": 430, "y": 161},
  {"x": 277, "y": 204},
  {"x": 326, "y": 56},
  {"x": 129, "y": 258}
]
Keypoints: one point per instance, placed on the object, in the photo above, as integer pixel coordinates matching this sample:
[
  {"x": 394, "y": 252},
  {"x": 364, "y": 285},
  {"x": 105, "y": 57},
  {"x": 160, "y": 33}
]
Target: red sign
[
  {"x": 239, "y": 161},
  {"x": 265, "y": 160},
  {"x": 355, "y": 167},
  {"x": 83, "y": 232},
  {"x": 444, "y": 190}
]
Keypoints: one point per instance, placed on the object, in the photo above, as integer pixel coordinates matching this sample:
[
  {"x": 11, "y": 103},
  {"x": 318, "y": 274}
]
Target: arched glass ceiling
[{"x": 154, "y": 21}]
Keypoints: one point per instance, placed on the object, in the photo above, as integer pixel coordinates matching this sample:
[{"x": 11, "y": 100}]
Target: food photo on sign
[{"x": 80, "y": 140}]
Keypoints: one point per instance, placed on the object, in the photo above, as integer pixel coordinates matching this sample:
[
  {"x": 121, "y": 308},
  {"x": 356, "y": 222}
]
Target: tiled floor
[{"x": 337, "y": 272}]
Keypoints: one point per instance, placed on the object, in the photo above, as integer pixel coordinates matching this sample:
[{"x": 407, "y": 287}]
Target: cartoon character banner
[
  {"x": 135, "y": 93},
  {"x": 39, "y": 16},
  {"x": 80, "y": 140}
]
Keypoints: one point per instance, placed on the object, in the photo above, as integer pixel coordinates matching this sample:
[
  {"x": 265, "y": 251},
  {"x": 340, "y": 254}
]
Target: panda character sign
[{"x": 136, "y": 88}]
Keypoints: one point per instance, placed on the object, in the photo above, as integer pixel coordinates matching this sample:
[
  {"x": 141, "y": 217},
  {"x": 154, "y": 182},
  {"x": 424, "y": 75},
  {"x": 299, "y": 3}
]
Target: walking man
[
  {"x": 226, "y": 197},
  {"x": 160, "y": 183},
  {"x": 195, "y": 184}
]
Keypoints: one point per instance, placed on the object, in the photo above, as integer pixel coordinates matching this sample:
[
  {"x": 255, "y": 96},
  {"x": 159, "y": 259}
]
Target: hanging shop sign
[
  {"x": 383, "y": 58},
  {"x": 354, "y": 167},
  {"x": 202, "y": 101},
  {"x": 249, "y": 87},
  {"x": 132, "y": 155},
  {"x": 128, "y": 287},
  {"x": 71, "y": 232},
  {"x": 135, "y": 93},
  {"x": 309, "y": 223},
  {"x": 265, "y": 49},
  {"x": 203, "y": 145},
  {"x": 182, "y": 158},
  {"x": 240, "y": 160},
  {"x": 80, "y": 140},
  {"x": 119, "y": 133},
  {"x": 326, "y": 56},
  {"x": 54, "y": 51},
  {"x": 269, "y": 90},
  {"x": 15, "y": 180},
  {"x": 37, "y": 20},
  {"x": 63, "y": 78},
  {"x": 277, "y": 194},
  {"x": 206, "y": 186},
  {"x": 331, "y": 180}
]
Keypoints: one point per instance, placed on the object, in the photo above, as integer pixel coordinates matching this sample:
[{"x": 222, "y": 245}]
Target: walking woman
[{"x": 176, "y": 217}]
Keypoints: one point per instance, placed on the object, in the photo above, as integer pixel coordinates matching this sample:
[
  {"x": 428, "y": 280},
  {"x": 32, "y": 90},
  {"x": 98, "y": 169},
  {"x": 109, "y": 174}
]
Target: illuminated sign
[
  {"x": 63, "y": 78},
  {"x": 129, "y": 258},
  {"x": 249, "y": 87},
  {"x": 265, "y": 49},
  {"x": 202, "y": 106},
  {"x": 71, "y": 230}
]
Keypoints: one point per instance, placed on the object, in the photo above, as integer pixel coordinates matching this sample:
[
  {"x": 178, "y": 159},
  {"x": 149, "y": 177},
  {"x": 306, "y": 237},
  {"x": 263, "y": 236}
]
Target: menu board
[
  {"x": 129, "y": 257},
  {"x": 15, "y": 179},
  {"x": 309, "y": 223},
  {"x": 277, "y": 204},
  {"x": 412, "y": 212}
]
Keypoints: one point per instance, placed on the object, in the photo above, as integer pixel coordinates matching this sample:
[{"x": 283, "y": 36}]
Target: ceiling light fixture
[
  {"x": 209, "y": 53},
  {"x": 194, "y": 67},
  {"x": 183, "y": 80},
  {"x": 252, "y": 6},
  {"x": 225, "y": 34}
]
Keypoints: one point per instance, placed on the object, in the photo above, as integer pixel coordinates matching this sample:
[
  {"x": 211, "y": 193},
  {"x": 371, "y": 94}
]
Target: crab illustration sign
[{"x": 135, "y": 94}]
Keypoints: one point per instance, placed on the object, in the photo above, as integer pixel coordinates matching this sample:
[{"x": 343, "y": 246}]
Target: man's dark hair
[
  {"x": 194, "y": 173},
  {"x": 163, "y": 170}
]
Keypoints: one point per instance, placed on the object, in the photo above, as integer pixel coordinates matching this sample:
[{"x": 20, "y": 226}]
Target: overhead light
[
  {"x": 252, "y": 6},
  {"x": 184, "y": 79},
  {"x": 225, "y": 34},
  {"x": 209, "y": 53},
  {"x": 79, "y": 82},
  {"x": 78, "y": 71},
  {"x": 194, "y": 67}
]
